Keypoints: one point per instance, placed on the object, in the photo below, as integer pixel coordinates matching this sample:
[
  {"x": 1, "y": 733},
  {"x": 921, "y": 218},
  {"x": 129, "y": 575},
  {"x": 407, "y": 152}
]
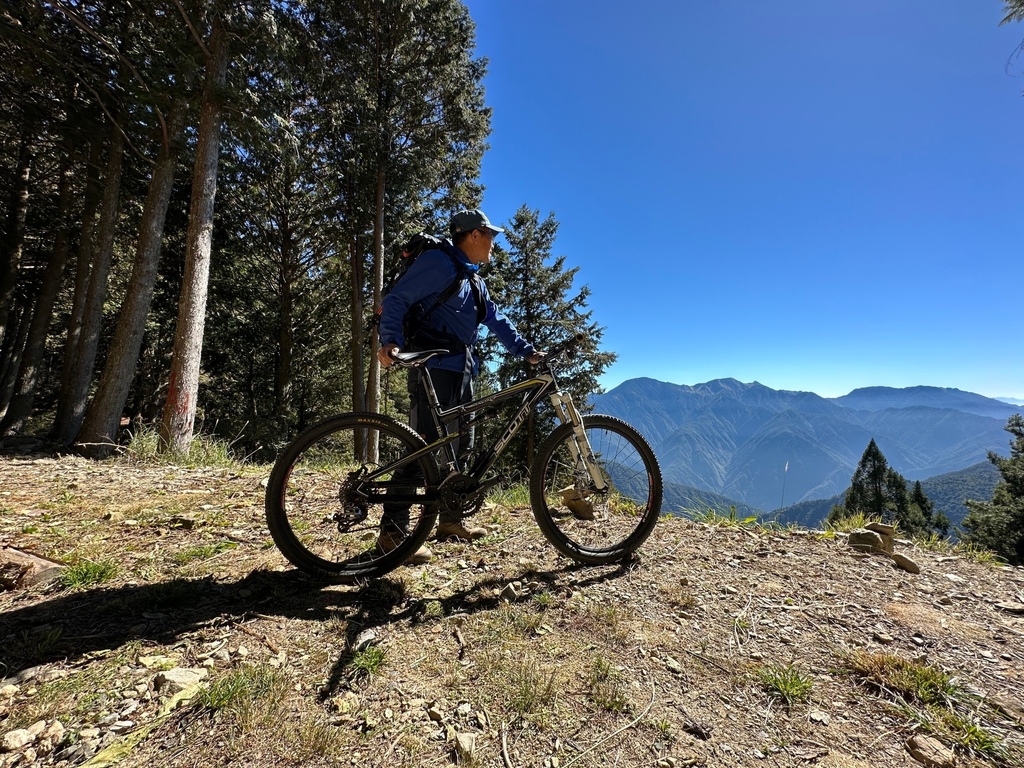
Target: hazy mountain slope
[
  {"x": 922, "y": 442},
  {"x": 735, "y": 439},
  {"x": 808, "y": 514},
  {"x": 684, "y": 500},
  {"x": 948, "y": 491},
  {"x": 699, "y": 452},
  {"x": 883, "y": 398},
  {"x": 818, "y": 451}
]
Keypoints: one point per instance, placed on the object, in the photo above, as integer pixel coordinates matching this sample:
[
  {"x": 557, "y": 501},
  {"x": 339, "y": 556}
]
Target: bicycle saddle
[{"x": 418, "y": 357}]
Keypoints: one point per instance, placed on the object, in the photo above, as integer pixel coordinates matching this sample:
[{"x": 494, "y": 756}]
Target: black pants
[{"x": 453, "y": 388}]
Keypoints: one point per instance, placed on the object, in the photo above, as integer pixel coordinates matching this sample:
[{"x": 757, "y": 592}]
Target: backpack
[{"x": 414, "y": 325}]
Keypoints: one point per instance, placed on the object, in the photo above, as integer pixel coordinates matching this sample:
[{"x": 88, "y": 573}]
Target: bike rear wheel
[
  {"x": 585, "y": 524},
  {"x": 314, "y": 510}
]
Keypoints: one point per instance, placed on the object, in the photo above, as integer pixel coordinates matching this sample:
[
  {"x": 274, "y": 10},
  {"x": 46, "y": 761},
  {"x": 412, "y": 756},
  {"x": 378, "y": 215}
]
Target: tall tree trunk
[
  {"x": 19, "y": 321},
  {"x": 373, "y": 372},
  {"x": 358, "y": 383},
  {"x": 99, "y": 430},
  {"x": 83, "y": 269},
  {"x": 356, "y": 350},
  {"x": 14, "y": 234},
  {"x": 286, "y": 325},
  {"x": 20, "y": 406},
  {"x": 84, "y": 358},
  {"x": 180, "y": 409}
]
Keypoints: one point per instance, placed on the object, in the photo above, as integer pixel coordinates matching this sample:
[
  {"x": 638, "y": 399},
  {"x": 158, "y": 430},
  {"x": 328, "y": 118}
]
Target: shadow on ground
[{"x": 71, "y": 625}]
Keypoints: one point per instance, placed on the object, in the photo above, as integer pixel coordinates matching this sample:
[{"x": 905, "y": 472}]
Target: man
[{"x": 454, "y": 325}]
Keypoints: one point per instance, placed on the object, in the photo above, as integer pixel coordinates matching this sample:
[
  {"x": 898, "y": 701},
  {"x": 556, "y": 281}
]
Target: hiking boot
[
  {"x": 459, "y": 530},
  {"x": 388, "y": 541}
]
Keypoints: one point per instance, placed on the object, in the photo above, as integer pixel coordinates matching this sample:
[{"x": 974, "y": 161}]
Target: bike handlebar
[
  {"x": 565, "y": 347},
  {"x": 412, "y": 359}
]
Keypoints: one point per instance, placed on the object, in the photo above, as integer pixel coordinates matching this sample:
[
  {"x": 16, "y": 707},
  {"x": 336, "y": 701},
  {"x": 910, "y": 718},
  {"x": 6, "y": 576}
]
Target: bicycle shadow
[
  {"x": 72, "y": 625},
  {"x": 481, "y": 596}
]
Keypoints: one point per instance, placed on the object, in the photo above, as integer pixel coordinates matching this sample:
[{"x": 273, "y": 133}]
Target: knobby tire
[
  {"x": 305, "y": 488},
  {"x": 563, "y": 497}
]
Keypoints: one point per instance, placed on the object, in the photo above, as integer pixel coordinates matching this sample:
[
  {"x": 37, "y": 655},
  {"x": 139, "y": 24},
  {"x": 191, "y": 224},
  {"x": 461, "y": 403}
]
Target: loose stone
[{"x": 17, "y": 739}]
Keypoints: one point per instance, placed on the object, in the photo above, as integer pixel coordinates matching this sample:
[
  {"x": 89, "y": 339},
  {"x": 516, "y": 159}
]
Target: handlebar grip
[{"x": 567, "y": 345}]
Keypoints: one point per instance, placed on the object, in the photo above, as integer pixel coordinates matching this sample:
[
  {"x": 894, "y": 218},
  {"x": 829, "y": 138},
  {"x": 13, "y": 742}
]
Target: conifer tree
[
  {"x": 866, "y": 494},
  {"x": 918, "y": 498},
  {"x": 1014, "y": 11},
  {"x": 402, "y": 117},
  {"x": 536, "y": 292},
  {"x": 998, "y": 525},
  {"x": 879, "y": 492}
]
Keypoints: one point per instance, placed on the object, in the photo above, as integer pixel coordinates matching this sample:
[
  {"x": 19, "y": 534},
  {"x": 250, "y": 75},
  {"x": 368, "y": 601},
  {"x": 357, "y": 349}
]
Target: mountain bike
[{"x": 595, "y": 485}]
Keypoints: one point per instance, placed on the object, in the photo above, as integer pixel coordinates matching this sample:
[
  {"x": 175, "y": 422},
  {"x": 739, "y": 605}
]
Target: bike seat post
[
  {"x": 435, "y": 409},
  {"x": 428, "y": 385}
]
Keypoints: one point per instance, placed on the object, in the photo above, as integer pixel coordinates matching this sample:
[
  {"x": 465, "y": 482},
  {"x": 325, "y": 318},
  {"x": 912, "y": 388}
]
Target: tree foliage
[
  {"x": 1014, "y": 10},
  {"x": 998, "y": 524},
  {"x": 879, "y": 492},
  {"x": 537, "y": 292},
  {"x": 345, "y": 125}
]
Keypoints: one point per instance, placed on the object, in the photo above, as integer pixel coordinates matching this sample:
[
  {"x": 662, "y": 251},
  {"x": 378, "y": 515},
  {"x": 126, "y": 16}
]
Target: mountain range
[{"x": 765, "y": 449}]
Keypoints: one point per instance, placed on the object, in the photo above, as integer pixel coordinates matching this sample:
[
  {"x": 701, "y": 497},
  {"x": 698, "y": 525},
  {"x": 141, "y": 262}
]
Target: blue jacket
[{"x": 427, "y": 278}]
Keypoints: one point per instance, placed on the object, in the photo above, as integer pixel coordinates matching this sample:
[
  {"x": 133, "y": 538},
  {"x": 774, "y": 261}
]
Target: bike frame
[{"x": 532, "y": 390}]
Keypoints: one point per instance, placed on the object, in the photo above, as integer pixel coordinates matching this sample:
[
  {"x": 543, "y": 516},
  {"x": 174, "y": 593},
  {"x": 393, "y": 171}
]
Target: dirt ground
[{"x": 178, "y": 636}]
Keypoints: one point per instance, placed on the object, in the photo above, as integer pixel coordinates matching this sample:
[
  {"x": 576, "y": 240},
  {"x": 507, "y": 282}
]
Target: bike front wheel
[
  {"x": 324, "y": 502},
  {"x": 582, "y": 522}
]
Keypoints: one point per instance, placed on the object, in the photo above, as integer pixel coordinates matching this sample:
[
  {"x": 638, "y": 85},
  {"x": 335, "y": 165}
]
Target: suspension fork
[{"x": 579, "y": 447}]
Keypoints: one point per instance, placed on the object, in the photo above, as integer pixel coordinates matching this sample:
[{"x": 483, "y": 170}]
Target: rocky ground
[{"x": 177, "y": 636}]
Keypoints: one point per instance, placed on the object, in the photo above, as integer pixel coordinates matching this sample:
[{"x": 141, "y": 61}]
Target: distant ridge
[
  {"x": 767, "y": 448},
  {"x": 880, "y": 398}
]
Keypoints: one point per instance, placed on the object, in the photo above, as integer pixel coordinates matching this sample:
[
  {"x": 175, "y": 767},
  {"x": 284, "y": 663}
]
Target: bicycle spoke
[
  {"x": 317, "y": 507},
  {"x": 583, "y": 522}
]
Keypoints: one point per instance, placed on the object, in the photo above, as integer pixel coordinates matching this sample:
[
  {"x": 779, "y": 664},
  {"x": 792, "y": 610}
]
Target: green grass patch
[
  {"x": 512, "y": 496},
  {"x": 716, "y": 517},
  {"x": 30, "y": 645},
  {"x": 146, "y": 446},
  {"x": 369, "y": 661},
  {"x": 545, "y": 600},
  {"x": 605, "y": 686},
  {"x": 203, "y": 551},
  {"x": 531, "y": 689},
  {"x": 786, "y": 683},
  {"x": 947, "y": 546},
  {"x": 242, "y": 688},
  {"x": 930, "y": 699},
  {"x": 254, "y": 699},
  {"x": 909, "y": 680},
  {"x": 81, "y": 693},
  {"x": 87, "y": 573},
  {"x": 847, "y": 524}
]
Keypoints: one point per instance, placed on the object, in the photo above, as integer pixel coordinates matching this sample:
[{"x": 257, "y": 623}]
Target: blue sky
[{"x": 817, "y": 196}]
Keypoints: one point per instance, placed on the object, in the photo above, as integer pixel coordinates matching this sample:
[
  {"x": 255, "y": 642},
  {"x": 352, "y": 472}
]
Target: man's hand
[
  {"x": 536, "y": 357},
  {"x": 385, "y": 352}
]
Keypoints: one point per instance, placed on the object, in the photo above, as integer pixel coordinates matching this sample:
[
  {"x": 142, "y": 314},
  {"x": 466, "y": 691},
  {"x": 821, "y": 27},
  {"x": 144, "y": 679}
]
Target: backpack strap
[{"x": 448, "y": 293}]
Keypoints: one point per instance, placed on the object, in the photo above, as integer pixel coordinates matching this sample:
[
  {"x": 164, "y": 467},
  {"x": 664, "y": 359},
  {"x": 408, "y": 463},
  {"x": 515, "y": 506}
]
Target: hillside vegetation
[
  {"x": 766, "y": 447},
  {"x": 178, "y": 636}
]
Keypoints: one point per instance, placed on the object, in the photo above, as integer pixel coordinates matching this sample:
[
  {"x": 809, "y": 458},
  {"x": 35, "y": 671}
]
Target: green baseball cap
[{"x": 465, "y": 221}]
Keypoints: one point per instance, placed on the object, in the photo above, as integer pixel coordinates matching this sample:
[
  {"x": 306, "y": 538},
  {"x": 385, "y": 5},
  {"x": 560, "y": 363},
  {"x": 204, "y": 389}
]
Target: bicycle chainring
[{"x": 461, "y": 495}]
